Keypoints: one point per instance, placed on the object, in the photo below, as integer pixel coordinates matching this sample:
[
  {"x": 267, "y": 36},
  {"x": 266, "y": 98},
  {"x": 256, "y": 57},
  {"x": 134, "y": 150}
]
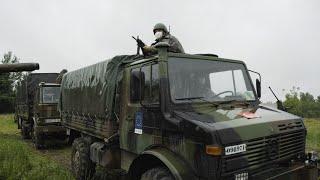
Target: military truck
[
  {"x": 36, "y": 108},
  {"x": 179, "y": 116}
]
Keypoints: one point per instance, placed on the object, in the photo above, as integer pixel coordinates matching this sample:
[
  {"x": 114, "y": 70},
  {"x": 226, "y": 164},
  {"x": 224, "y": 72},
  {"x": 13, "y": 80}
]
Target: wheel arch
[{"x": 164, "y": 157}]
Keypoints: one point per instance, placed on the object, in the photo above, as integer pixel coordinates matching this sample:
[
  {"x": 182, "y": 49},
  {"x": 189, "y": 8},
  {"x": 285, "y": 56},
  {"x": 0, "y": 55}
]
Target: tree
[
  {"x": 8, "y": 84},
  {"x": 302, "y": 104}
]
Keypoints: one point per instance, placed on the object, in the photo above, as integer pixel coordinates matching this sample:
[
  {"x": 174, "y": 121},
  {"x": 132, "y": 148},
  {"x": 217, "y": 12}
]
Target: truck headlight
[{"x": 213, "y": 150}]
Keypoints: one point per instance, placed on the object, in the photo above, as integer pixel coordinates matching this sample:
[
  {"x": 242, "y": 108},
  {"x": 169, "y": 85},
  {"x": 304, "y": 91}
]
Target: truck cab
[
  {"x": 206, "y": 113},
  {"x": 46, "y": 119}
]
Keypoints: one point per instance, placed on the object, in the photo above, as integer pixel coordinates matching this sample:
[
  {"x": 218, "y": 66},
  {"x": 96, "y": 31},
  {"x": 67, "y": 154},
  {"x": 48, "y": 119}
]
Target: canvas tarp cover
[
  {"x": 29, "y": 86},
  {"x": 90, "y": 90}
]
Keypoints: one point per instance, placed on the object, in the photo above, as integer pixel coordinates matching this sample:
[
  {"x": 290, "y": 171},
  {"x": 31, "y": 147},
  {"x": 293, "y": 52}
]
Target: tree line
[{"x": 302, "y": 104}]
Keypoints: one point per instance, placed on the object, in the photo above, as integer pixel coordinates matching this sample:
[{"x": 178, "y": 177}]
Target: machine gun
[
  {"x": 5, "y": 68},
  {"x": 279, "y": 103},
  {"x": 140, "y": 45}
]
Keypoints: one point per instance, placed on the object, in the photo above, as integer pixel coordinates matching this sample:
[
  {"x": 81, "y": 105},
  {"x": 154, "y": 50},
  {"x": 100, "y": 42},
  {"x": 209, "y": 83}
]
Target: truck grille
[{"x": 262, "y": 153}]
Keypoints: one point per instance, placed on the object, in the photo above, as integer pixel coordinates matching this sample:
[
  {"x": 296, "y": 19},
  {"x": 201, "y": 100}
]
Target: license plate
[
  {"x": 235, "y": 149},
  {"x": 241, "y": 176},
  {"x": 52, "y": 120}
]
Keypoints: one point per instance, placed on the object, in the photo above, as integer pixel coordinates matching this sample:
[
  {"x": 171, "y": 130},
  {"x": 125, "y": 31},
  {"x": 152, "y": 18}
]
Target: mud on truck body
[
  {"x": 178, "y": 116},
  {"x": 37, "y": 108}
]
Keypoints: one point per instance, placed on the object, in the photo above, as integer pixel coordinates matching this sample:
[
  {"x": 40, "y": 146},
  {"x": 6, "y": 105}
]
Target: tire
[
  {"x": 15, "y": 118},
  {"x": 81, "y": 165},
  {"x": 157, "y": 173},
  {"x": 19, "y": 122},
  {"x": 37, "y": 139},
  {"x": 25, "y": 133},
  {"x": 73, "y": 135}
]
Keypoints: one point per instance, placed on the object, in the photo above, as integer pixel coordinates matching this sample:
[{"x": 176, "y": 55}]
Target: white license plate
[
  {"x": 235, "y": 149},
  {"x": 241, "y": 176},
  {"x": 52, "y": 120}
]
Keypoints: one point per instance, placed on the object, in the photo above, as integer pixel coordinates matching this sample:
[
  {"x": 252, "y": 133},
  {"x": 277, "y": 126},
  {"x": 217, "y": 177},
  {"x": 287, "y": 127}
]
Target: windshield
[
  {"x": 193, "y": 79},
  {"x": 50, "y": 94}
]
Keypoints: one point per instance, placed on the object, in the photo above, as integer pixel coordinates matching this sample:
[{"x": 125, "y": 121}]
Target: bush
[{"x": 6, "y": 104}]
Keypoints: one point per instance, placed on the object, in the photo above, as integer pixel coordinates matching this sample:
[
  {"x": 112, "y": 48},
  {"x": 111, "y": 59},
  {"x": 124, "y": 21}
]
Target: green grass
[
  {"x": 313, "y": 136},
  {"x": 20, "y": 161}
]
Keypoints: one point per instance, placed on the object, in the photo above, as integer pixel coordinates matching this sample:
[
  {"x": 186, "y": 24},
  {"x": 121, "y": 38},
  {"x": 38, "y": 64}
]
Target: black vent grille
[
  {"x": 262, "y": 153},
  {"x": 290, "y": 126}
]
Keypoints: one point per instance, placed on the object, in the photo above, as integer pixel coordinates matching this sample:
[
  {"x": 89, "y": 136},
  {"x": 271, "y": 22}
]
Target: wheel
[
  {"x": 15, "y": 118},
  {"x": 19, "y": 122},
  {"x": 157, "y": 173},
  {"x": 25, "y": 133},
  {"x": 37, "y": 139},
  {"x": 73, "y": 135},
  {"x": 82, "y": 166}
]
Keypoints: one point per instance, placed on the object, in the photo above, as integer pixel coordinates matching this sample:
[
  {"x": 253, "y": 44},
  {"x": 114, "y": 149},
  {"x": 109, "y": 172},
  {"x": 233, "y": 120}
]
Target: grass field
[
  {"x": 313, "y": 137},
  {"x": 20, "y": 160}
]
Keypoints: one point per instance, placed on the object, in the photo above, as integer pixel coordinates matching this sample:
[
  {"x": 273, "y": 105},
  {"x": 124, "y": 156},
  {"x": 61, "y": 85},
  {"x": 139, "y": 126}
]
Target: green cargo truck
[
  {"x": 179, "y": 116},
  {"x": 36, "y": 108}
]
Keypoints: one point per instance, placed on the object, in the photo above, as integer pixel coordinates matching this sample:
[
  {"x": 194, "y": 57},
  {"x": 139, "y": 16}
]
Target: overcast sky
[{"x": 278, "y": 38}]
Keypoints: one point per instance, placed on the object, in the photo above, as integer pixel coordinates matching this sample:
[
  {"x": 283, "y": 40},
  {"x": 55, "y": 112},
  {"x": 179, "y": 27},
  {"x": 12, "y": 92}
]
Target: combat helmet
[{"x": 160, "y": 26}]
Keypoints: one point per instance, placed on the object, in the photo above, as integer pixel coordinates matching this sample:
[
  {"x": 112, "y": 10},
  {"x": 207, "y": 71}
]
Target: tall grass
[{"x": 19, "y": 161}]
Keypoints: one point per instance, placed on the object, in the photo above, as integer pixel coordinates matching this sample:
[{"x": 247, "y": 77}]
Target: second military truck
[
  {"x": 36, "y": 108},
  {"x": 178, "y": 116}
]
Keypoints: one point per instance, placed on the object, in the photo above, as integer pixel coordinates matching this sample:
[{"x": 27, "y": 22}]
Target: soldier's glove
[{"x": 140, "y": 43}]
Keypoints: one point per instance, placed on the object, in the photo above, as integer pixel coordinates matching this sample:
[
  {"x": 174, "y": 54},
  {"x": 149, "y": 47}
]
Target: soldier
[
  {"x": 59, "y": 78},
  {"x": 163, "y": 35}
]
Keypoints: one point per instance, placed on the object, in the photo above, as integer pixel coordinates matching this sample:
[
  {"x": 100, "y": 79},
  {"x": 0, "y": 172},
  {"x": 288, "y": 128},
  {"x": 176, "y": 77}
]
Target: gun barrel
[{"x": 5, "y": 68}]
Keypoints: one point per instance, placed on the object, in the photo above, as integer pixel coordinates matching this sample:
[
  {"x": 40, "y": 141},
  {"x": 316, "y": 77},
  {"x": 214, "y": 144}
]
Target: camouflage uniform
[{"x": 174, "y": 44}]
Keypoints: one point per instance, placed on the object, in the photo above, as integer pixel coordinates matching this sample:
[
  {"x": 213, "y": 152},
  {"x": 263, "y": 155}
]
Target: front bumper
[
  {"x": 51, "y": 129},
  {"x": 298, "y": 171}
]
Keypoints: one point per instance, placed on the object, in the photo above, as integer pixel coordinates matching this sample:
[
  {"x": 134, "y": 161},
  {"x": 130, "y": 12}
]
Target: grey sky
[{"x": 280, "y": 39}]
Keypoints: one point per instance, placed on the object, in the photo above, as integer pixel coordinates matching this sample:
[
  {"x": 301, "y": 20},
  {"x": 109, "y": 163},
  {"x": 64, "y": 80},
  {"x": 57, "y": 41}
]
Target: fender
[{"x": 179, "y": 169}]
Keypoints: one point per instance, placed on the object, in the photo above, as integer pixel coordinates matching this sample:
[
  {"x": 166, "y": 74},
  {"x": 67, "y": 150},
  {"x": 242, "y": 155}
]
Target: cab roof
[{"x": 183, "y": 55}]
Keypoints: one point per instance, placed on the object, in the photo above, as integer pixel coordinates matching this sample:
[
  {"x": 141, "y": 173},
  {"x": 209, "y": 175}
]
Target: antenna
[{"x": 169, "y": 31}]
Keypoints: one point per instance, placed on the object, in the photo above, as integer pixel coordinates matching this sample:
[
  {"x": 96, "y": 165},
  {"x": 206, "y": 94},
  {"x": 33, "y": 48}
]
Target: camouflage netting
[{"x": 90, "y": 90}]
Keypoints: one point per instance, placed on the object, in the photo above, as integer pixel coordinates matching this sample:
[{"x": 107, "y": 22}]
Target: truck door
[{"x": 141, "y": 116}]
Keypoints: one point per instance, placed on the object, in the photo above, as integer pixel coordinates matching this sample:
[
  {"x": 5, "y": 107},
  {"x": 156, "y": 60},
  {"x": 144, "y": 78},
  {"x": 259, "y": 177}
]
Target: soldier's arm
[{"x": 150, "y": 49}]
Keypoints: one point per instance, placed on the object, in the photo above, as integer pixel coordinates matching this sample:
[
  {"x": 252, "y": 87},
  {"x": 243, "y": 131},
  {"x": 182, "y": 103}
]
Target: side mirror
[
  {"x": 258, "y": 86},
  {"x": 136, "y": 84},
  {"x": 258, "y": 83}
]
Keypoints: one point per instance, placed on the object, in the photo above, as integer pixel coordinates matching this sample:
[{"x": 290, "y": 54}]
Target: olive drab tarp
[
  {"x": 26, "y": 91},
  {"x": 91, "y": 90}
]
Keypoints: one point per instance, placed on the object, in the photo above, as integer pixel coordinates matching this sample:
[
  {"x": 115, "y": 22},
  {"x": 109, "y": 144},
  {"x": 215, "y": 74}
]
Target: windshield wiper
[
  {"x": 234, "y": 102},
  {"x": 201, "y": 98},
  {"x": 189, "y": 98}
]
